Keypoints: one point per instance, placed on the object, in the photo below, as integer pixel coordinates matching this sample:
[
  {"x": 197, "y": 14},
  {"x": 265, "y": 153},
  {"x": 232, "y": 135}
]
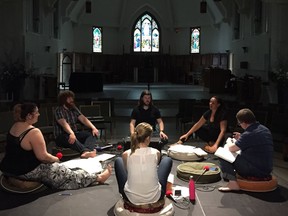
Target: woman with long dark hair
[{"x": 211, "y": 127}]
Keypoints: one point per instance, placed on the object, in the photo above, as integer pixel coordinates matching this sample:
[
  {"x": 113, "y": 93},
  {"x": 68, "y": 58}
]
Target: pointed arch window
[
  {"x": 195, "y": 40},
  {"x": 97, "y": 39},
  {"x": 146, "y": 35}
]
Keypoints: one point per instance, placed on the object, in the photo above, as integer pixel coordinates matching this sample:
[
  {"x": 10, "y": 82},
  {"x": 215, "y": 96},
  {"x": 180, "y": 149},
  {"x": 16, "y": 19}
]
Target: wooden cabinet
[
  {"x": 82, "y": 62},
  {"x": 169, "y": 68},
  {"x": 215, "y": 79}
]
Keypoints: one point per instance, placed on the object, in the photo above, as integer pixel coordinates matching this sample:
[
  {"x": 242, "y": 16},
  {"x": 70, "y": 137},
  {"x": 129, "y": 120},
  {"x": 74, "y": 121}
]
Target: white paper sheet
[{"x": 91, "y": 165}]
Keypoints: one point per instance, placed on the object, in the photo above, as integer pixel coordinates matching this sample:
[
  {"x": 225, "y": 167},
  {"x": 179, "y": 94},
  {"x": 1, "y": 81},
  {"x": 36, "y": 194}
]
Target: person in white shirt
[{"x": 141, "y": 173}]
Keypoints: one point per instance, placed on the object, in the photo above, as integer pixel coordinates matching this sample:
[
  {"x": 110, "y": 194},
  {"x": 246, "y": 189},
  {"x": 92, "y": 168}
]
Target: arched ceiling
[{"x": 172, "y": 13}]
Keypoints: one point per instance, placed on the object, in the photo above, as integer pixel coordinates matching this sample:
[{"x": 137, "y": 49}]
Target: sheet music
[{"x": 225, "y": 153}]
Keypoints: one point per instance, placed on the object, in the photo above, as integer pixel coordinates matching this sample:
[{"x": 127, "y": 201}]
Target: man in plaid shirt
[{"x": 66, "y": 132}]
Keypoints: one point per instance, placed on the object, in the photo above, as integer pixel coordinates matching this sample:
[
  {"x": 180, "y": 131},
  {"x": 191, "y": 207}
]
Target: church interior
[{"x": 183, "y": 51}]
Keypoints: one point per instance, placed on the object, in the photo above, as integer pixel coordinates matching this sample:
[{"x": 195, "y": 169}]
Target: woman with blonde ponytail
[{"x": 141, "y": 172}]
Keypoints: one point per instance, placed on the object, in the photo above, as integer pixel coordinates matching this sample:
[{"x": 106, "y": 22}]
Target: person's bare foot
[
  {"x": 231, "y": 186},
  {"x": 87, "y": 154},
  {"x": 210, "y": 147},
  {"x": 102, "y": 177}
]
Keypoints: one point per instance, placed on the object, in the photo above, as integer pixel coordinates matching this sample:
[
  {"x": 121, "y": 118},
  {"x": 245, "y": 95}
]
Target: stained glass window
[
  {"x": 97, "y": 39},
  {"x": 195, "y": 40},
  {"x": 146, "y": 35}
]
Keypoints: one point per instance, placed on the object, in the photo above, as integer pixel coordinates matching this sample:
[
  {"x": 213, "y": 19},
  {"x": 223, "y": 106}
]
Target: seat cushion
[
  {"x": 120, "y": 210},
  {"x": 202, "y": 172},
  {"x": 257, "y": 185},
  {"x": 15, "y": 185}
]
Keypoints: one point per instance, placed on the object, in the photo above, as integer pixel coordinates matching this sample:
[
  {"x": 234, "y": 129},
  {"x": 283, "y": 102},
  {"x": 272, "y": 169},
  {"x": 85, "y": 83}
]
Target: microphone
[{"x": 205, "y": 168}]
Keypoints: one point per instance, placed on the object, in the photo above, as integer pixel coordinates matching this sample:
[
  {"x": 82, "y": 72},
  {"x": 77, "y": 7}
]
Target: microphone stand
[{"x": 205, "y": 170}]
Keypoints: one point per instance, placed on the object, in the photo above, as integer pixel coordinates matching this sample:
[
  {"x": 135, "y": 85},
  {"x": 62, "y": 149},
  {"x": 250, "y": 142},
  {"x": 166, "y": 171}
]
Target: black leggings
[{"x": 208, "y": 134}]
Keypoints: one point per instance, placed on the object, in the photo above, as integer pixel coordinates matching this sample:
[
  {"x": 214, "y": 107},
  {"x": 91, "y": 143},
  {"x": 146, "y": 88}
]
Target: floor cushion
[
  {"x": 202, "y": 172},
  {"x": 166, "y": 210},
  {"x": 15, "y": 185},
  {"x": 248, "y": 184}
]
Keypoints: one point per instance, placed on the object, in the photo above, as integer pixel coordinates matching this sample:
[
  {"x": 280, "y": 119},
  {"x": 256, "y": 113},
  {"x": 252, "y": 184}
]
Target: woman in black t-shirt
[{"x": 211, "y": 127}]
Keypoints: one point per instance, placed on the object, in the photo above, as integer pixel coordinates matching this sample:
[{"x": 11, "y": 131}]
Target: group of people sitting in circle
[{"x": 142, "y": 171}]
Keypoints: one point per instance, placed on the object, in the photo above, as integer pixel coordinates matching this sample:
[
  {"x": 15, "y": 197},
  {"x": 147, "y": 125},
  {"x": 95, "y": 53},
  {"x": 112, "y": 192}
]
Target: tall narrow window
[
  {"x": 146, "y": 36},
  {"x": 97, "y": 39},
  {"x": 65, "y": 70},
  {"x": 195, "y": 40}
]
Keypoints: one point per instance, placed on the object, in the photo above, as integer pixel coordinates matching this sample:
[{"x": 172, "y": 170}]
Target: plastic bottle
[{"x": 192, "y": 190}]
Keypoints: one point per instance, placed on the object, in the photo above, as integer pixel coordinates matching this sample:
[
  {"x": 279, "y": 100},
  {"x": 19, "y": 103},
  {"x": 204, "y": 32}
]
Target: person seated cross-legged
[{"x": 141, "y": 173}]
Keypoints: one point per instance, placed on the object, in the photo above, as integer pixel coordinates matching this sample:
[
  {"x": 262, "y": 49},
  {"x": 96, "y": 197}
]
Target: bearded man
[{"x": 66, "y": 132}]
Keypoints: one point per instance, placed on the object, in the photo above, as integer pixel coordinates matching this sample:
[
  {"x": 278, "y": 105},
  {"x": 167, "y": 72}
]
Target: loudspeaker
[
  {"x": 88, "y": 6},
  {"x": 203, "y": 7}
]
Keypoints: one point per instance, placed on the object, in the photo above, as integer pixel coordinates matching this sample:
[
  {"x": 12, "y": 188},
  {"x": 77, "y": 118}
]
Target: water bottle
[{"x": 192, "y": 190}]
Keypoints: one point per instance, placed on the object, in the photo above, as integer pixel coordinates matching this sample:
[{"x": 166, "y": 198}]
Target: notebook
[{"x": 225, "y": 153}]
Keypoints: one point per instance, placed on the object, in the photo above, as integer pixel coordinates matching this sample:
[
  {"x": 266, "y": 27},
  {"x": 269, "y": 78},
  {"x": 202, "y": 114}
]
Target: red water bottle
[{"x": 192, "y": 190}]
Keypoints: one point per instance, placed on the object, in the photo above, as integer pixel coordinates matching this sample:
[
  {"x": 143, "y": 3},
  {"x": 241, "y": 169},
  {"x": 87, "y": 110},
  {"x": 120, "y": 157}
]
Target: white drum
[{"x": 186, "y": 153}]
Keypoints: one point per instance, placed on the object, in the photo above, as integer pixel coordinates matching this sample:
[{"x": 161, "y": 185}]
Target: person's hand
[
  {"x": 72, "y": 138},
  {"x": 236, "y": 135},
  {"x": 183, "y": 138},
  {"x": 163, "y": 135},
  {"x": 95, "y": 132}
]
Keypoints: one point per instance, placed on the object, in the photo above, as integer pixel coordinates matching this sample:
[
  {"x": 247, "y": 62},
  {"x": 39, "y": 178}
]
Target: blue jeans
[
  {"x": 84, "y": 141},
  {"x": 242, "y": 167},
  {"x": 164, "y": 170}
]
